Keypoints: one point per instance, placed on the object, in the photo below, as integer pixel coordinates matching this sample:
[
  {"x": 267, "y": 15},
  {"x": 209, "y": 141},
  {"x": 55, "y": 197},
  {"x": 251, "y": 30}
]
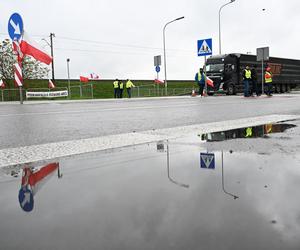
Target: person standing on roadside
[
  {"x": 268, "y": 81},
  {"x": 116, "y": 88},
  {"x": 128, "y": 86},
  {"x": 200, "y": 79},
  {"x": 254, "y": 81},
  {"x": 246, "y": 80},
  {"x": 121, "y": 88}
]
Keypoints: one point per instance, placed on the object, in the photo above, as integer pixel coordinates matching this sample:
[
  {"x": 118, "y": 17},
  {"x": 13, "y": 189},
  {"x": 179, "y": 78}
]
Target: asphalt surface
[{"x": 38, "y": 123}]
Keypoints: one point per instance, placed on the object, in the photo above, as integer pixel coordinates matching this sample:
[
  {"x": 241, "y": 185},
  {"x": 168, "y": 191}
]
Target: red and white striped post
[{"x": 18, "y": 76}]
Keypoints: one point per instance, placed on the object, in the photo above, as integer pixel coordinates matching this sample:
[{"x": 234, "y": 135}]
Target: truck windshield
[{"x": 215, "y": 67}]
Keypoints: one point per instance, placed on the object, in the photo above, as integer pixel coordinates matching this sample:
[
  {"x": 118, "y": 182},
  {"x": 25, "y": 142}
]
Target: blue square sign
[
  {"x": 204, "y": 47},
  {"x": 207, "y": 160}
]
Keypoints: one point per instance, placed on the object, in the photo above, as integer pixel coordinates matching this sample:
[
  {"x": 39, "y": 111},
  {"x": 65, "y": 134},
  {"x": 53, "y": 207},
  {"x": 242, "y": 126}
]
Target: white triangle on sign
[
  {"x": 204, "y": 48},
  {"x": 207, "y": 159}
]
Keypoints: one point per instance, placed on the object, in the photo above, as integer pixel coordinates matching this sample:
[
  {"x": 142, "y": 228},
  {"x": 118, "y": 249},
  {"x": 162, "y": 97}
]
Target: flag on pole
[
  {"x": 31, "y": 48},
  {"x": 18, "y": 75},
  {"x": 84, "y": 79},
  {"x": 2, "y": 84},
  {"x": 209, "y": 82},
  {"x": 51, "y": 84},
  {"x": 157, "y": 81}
]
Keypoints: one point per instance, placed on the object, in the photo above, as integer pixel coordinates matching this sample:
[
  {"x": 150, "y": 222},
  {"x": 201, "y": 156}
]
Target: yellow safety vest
[
  {"x": 199, "y": 76},
  {"x": 129, "y": 84},
  {"x": 268, "y": 79},
  {"x": 121, "y": 85},
  {"x": 247, "y": 74},
  {"x": 116, "y": 84},
  {"x": 248, "y": 132}
]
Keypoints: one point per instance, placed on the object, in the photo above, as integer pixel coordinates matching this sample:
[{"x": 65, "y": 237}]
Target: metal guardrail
[{"x": 154, "y": 91}]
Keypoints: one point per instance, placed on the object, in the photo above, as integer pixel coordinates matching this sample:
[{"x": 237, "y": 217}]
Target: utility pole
[{"x": 51, "y": 45}]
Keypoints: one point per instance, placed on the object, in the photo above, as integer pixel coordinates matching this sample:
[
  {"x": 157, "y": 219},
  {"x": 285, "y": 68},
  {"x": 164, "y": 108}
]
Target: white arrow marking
[
  {"x": 16, "y": 27},
  {"x": 26, "y": 199}
]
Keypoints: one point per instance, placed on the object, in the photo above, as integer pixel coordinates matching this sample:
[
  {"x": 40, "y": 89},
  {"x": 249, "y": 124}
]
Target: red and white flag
[
  {"x": 84, "y": 79},
  {"x": 18, "y": 75},
  {"x": 157, "y": 81},
  {"x": 51, "y": 84},
  {"x": 2, "y": 84},
  {"x": 209, "y": 82},
  {"x": 31, "y": 48}
]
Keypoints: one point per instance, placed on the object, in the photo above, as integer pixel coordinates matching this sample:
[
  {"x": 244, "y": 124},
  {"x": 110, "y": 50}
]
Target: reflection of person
[
  {"x": 121, "y": 88},
  {"x": 128, "y": 86},
  {"x": 268, "y": 81},
  {"x": 116, "y": 88},
  {"x": 200, "y": 79},
  {"x": 246, "y": 80},
  {"x": 254, "y": 80}
]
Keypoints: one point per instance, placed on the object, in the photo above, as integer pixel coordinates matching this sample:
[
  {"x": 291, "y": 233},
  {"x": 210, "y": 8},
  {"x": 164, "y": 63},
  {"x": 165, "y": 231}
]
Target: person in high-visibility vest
[
  {"x": 268, "y": 81},
  {"x": 116, "y": 88},
  {"x": 246, "y": 80},
  {"x": 200, "y": 79},
  {"x": 128, "y": 86},
  {"x": 121, "y": 88}
]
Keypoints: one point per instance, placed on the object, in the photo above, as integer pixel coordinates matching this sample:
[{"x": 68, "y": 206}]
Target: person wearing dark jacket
[{"x": 246, "y": 80}]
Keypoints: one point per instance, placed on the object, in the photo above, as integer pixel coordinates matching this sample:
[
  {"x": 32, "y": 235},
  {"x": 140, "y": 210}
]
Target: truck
[{"x": 226, "y": 72}]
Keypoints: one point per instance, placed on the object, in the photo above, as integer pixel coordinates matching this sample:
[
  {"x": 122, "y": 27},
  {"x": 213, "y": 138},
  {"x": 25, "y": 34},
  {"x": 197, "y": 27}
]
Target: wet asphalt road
[{"x": 38, "y": 123}]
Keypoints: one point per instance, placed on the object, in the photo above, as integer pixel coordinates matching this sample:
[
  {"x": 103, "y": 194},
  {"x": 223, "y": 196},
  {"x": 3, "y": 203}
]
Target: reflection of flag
[
  {"x": 2, "y": 84},
  {"x": 84, "y": 79},
  {"x": 209, "y": 82},
  {"x": 31, "y": 48},
  {"x": 157, "y": 81},
  {"x": 94, "y": 76},
  {"x": 51, "y": 84}
]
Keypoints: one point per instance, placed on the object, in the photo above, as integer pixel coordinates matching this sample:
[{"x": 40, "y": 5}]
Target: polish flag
[
  {"x": 31, "y": 48},
  {"x": 51, "y": 84},
  {"x": 84, "y": 79},
  {"x": 2, "y": 84},
  {"x": 157, "y": 81},
  {"x": 209, "y": 82}
]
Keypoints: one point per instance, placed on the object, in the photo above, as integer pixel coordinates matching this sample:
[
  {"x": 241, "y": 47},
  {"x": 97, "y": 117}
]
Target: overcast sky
[{"x": 116, "y": 38}]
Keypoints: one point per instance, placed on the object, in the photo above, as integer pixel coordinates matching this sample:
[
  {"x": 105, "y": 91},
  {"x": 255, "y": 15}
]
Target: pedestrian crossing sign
[{"x": 205, "y": 47}]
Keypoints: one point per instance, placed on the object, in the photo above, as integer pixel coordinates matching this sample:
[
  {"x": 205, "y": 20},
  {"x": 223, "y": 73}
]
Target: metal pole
[
  {"x": 223, "y": 181},
  {"x": 262, "y": 77},
  {"x": 2, "y": 95},
  {"x": 21, "y": 95},
  {"x": 92, "y": 90},
  {"x": 51, "y": 45},
  {"x": 69, "y": 85},
  {"x": 165, "y": 59},
  {"x": 220, "y": 51},
  {"x": 205, "y": 75}
]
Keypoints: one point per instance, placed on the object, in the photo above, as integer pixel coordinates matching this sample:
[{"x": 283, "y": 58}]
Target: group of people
[
  {"x": 250, "y": 81},
  {"x": 119, "y": 87}
]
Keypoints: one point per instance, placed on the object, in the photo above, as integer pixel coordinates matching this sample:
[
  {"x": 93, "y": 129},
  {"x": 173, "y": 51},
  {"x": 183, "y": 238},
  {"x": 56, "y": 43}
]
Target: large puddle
[{"x": 165, "y": 195}]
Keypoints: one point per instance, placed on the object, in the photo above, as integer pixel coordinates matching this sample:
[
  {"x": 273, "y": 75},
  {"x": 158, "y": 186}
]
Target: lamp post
[
  {"x": 68, "y": 69},
  {"x": 231, "y": 1},
  {"x": 165, "y": 60}
]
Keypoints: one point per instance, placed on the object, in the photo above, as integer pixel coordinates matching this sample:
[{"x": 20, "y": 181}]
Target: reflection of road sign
[
  {"x": 157, "y": 60},
  {"x": 204, "y": 47},
  {"x": 157, "y": 69},
  {"x": 207, "y": 160},
  {"x": 15, "y": 26},
  {"x": 26, "y": 199}
]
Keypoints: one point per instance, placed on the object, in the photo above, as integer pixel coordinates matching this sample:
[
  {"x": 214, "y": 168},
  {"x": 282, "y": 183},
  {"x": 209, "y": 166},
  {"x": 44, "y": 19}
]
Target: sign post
[
  {"x": 262, "y": 54},
  {"x": 15, "y": 31},
  {"x": 157, "y": 63},
  {"x": 204, "y": 48}
]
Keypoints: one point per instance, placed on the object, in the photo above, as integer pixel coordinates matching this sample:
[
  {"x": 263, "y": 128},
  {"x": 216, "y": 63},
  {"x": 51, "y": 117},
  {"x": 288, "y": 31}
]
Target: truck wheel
[
  {"x": 288, "y": 89},
  {"x": 230, "y": 89},
  {"x": 284, "y": 88},
  {"x": 277, "y": 88}
]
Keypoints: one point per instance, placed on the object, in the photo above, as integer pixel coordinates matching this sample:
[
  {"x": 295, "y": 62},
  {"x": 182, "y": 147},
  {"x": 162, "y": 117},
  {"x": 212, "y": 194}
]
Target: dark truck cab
[{"x": 226, "y": 72}]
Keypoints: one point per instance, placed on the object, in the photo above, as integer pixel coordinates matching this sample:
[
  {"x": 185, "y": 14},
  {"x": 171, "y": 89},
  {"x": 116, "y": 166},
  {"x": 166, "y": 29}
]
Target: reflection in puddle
[
  {"x": 249, "y": 132},
  {"x": 31, "y": 182}
]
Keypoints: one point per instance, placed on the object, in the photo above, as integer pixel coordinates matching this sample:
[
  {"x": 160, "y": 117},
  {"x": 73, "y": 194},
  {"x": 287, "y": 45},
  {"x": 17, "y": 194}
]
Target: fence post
[
  {"x": 92, "y": 91},
  {"x": 138, "y": 88},
  {"x": 2, "y": 95}
]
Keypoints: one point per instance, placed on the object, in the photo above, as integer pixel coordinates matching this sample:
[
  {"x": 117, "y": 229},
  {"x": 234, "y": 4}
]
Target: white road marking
[{"x": 21, "y": 155}]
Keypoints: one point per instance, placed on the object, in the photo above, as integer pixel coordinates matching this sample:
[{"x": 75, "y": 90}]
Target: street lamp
[
  {"x": 68, "y": 69},
  {"x": 231, "y": 1},
  {"x": 165, "y": 61}
]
